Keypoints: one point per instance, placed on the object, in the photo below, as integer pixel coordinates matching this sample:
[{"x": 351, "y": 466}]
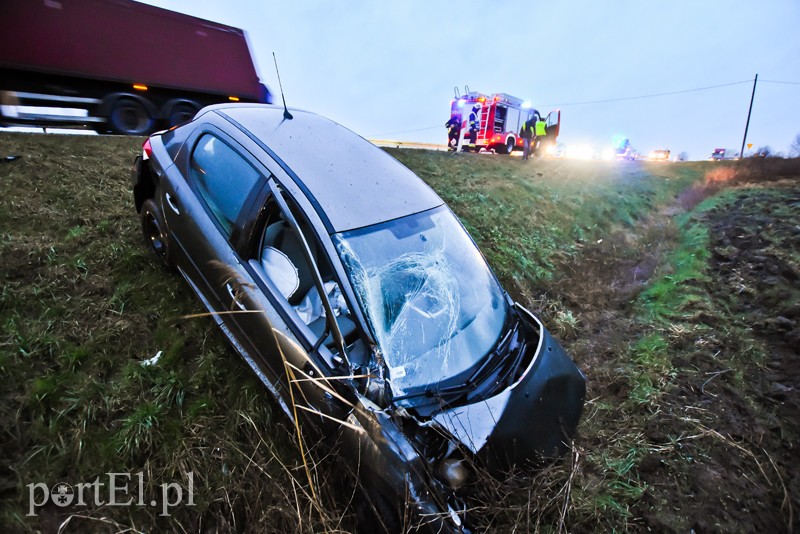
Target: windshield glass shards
[{"x": 432, "y": 303}]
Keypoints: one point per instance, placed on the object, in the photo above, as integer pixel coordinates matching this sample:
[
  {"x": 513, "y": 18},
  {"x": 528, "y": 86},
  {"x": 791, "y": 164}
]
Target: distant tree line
[
  {"x": 766, "y": 151},
  {"x": 795, "y": 147}
]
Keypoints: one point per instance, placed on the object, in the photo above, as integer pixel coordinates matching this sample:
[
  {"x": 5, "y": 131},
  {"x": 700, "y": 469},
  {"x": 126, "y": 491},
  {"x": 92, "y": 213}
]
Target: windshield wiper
[
  {"x": 497, "y": 357},
  {"x": 493, "y": 361}
]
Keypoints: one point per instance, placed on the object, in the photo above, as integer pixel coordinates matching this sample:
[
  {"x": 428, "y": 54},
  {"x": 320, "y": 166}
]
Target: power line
[
  {"x": 406, "y": 131},
  {"x": 776, "y": 81},
  {"x": 647, "y": 96}
]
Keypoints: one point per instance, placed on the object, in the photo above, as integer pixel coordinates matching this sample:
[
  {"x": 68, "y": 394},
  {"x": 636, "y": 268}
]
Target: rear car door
[
  {"x": 208, "y": 213},
  {"x": 202, "y": 210}
]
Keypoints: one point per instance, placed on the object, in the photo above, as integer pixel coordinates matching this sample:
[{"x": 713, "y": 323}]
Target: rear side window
[{"x": 224, "y": 179}]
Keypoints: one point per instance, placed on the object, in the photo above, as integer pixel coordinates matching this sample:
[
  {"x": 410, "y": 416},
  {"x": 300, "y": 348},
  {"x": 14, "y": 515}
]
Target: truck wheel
[
  {"x": 509, "y": 145},
  {"x": 154, "y": 232},
  {"x": 181, "y": 113},
  {"x": 130, "y": 117}
]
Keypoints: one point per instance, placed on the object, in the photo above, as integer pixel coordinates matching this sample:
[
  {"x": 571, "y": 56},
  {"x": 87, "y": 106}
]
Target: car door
[
  {"x": 553, "y": 124},
  {"x": 202, "y": 210},
  {"x": 299, "y": 346},
  {"x": 208, "y": 213}
]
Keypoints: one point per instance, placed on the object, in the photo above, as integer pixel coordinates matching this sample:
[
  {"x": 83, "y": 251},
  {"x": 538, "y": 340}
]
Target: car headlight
[{"x": 455, "y": 472}]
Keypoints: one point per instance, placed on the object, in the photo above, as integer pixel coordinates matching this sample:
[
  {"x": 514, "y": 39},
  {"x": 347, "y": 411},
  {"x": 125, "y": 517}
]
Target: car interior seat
[{"x": 281, "y": 237}]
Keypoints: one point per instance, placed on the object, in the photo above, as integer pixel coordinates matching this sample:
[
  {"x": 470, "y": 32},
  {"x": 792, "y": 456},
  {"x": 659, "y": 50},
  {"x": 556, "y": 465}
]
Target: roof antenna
[{"x": 286, "y": 114}]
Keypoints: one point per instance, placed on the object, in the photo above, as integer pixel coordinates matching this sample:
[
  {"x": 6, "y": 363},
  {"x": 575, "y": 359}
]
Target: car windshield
[{"x": 431, "y": 301}]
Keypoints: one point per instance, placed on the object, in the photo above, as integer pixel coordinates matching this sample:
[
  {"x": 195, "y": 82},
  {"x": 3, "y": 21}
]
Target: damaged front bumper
[{"x": 532, "y": 419}]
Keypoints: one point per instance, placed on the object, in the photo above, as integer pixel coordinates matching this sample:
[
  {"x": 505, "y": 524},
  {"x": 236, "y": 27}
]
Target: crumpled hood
[{"x": 533, "y": 418}]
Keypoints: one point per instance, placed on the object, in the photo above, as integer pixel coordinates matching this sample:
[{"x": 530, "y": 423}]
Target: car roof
[{"x": 352, "y": 182}]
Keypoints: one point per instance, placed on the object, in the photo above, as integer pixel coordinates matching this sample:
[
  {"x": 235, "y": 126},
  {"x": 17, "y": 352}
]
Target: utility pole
[{"x": 749, "y": 111}]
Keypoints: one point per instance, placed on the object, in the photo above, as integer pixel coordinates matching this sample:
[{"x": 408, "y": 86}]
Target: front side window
[
  {"x": 282, "y": 258},
  {"x": 223, "y": 177},
  {"x": 431, "y": 301}
]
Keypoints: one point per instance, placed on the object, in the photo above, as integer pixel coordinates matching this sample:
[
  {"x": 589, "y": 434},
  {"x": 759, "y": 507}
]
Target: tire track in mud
[
  {"x": 738, "y": 472},
  {"x": 720, "y": 444}
]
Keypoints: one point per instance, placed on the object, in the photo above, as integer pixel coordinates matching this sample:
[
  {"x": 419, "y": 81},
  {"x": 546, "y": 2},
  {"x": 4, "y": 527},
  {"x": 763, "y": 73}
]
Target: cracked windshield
[{"x": 432, "y": 303}]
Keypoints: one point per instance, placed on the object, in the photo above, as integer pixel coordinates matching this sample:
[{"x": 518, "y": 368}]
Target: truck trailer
[
  {"x": 117, "y": 66},
  {"x": 501, "y": 116}
]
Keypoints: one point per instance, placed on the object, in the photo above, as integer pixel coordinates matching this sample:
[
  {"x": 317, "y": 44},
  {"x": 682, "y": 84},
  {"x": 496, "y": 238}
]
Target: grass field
[{"x": 673, "y": 286}]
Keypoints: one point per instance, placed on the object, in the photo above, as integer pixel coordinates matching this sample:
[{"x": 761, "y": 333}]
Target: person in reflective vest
[
  {"x": 541, "y": 132},
  {"x": 526, "y": 133},
  {"x": 453, "y": 131},
  {"x": 474, "y": 125}
]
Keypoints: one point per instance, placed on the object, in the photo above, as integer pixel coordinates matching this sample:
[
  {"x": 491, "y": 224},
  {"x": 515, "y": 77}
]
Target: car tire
[
  {"x": 154, "y": 233},
  {"x": 130, "y": 117}
]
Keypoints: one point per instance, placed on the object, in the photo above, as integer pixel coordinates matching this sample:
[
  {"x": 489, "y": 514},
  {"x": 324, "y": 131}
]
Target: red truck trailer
[
  {"x": 501, "y": 117},
  {"x": 127, "y": 67}
]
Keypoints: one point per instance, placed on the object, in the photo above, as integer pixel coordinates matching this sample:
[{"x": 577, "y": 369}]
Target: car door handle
[
  {"x": 232, "y": 293},
  {"x": 172, "y": 204}
]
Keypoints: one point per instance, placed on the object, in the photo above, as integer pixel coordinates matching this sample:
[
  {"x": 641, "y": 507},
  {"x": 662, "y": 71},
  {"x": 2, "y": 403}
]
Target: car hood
[{"x": 534, "y": 418}]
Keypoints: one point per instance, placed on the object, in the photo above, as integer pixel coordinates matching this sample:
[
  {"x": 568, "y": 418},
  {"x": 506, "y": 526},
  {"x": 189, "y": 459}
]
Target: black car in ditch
[{"x": 374, "y": 318}]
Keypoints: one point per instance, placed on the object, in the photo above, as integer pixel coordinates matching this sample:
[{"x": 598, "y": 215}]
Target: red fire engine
[{"x": 501, "y": 117}]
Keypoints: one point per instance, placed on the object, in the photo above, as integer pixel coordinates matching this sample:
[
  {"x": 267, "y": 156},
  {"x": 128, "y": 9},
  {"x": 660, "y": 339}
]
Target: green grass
[
  {"x": 684, "y": 316},
  {"x": 528, "y": 219},
  {"x": 82, "y": 304}
]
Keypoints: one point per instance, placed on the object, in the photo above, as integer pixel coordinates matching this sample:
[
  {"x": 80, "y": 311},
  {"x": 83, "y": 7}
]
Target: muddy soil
[
  {"x": 721, "y": 445},
  {"x": 735, "y": 467}
]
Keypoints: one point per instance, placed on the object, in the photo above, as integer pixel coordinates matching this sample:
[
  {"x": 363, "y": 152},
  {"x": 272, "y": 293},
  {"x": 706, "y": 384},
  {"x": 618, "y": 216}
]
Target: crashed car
[{"x": 374, "y": 317}]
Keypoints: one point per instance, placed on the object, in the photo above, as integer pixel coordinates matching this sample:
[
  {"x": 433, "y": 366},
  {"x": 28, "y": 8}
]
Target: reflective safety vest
[
  {"x": 540, "y": 129},
  {"x": 473, "y": 122},
  {"x": 527, "y": 130}
]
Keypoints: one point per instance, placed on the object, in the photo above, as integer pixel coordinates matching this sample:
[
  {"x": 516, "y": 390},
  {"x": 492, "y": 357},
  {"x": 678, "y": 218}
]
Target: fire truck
[{"x": 501, "y": 117}]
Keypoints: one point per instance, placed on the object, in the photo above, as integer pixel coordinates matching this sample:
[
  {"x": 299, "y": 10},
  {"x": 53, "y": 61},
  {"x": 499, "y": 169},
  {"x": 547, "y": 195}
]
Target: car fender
[{"x": 387, "y": 463}]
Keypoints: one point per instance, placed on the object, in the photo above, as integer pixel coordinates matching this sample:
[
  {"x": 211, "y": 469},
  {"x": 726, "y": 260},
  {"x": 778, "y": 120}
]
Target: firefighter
[
  {"x": 453, "y": 132},
  {"x": 541, "y": 132},
  {"x": 474, "y": 125},
  {"x": 526, "y": 132}
]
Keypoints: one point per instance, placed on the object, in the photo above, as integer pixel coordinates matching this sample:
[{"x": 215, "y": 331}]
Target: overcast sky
[{"x": 387, "y": 69}]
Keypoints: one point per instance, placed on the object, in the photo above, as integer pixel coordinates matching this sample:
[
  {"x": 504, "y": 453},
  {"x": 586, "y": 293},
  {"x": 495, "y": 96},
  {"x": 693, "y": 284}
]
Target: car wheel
[
  {"x": 154, "y": 231},
  {"x": 181, "y": 113},
  {"x": 130, "y": 117}
]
